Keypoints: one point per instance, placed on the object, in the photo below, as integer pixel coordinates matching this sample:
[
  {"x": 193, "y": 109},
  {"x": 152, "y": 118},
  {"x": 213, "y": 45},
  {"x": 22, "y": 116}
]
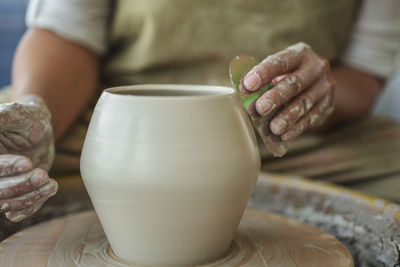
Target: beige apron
[{"x": 180, "y": 41}]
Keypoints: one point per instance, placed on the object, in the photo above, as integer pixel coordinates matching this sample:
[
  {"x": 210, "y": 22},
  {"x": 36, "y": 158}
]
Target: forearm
[
  {"x": 355, "y": 94},
  {"x": 63, "y": 73}
]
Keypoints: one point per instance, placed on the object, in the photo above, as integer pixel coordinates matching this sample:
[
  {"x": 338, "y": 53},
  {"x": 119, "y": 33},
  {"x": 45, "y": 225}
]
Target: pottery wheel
[{"x": 262, "y": 239}]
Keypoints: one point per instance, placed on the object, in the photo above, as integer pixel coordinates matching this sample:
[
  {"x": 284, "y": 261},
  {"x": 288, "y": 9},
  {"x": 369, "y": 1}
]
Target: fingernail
[
  {"x": 18, "y": 217},
  {"x": 277, "y": 127},
  {"x": 4, "y": 206},
  {"x": 263, "y": 107},
  {"x": 50, "y": 189},
  {"x": 55, "y": 189},
  {"x": 37, "y": 177},
  {"x": 251, "y": 81},
  {"x": 46, "y": 187},
  {"x": 22, "y": 165}
]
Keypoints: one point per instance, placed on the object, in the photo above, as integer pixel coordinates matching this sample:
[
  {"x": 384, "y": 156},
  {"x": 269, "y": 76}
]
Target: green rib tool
[{"x": 241, "y": 65}]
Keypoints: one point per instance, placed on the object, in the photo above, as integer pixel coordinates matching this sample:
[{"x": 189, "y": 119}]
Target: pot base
[{"x": 262, "y": 239}]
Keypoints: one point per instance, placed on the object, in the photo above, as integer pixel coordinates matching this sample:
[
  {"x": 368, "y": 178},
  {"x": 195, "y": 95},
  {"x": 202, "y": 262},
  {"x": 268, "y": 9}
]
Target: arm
[
  {"x": 355, "y": 95},
  {"x": 369, "y": 58},
  {"x": 49, "y": 73},
  {"x": 55, "y": 75},
  {"x": 63, "y": 73}
]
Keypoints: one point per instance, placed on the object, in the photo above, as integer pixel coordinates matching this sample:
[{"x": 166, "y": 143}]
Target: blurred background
[{"x": 12, "y": 27}]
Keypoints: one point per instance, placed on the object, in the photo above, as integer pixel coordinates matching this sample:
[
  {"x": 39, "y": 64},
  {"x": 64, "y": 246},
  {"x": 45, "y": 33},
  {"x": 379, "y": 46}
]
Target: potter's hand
[
  {"x": 27, "y": 152},
  {"x": 303, "y": 85}
]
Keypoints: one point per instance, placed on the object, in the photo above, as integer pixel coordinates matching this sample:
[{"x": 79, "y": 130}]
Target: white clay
[
  {"x": 299, "y": 47},
  {"x": 170, "y": 173}
]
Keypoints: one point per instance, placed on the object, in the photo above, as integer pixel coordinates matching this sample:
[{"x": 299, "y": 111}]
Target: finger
[
  {"x": 10, "y": 115},
  {"x": 26, "y": 200},
  {"x": 278, "y": 79},
  {"x": 289, "y": 87},
  {"x": 38, "y": 130},
  {"x": 6, "y": 142},
  {"x": 22, "y": 183},
  {"x": 14, "y": 164},
  {"x": 273, "y": 66},
  {"x": 316, "y": 116},
  {"x": 30, "y": 120},
  {"x": 19, "y": 215},
  {"x": 300, "y": 106},
  {"x": 20, "y": 142},
  {"x": 3, "y": 149}
]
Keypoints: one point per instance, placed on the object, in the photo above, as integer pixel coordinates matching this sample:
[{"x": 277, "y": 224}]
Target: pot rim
[{"x": 205, "y": 91}]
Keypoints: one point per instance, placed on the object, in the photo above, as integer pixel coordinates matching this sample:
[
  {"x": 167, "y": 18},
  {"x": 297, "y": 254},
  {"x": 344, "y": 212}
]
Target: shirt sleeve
[
  {"x": 81, "y": 21},
  {"x": 375, "y": 43}
]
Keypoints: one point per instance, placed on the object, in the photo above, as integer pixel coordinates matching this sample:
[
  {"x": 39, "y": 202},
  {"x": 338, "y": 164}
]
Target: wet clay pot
[{"x": 169, "y": 169}]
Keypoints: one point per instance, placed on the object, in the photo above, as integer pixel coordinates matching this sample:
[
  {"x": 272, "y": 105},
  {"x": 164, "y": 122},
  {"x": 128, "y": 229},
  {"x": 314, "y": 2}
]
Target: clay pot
[{"x": 169, "y": 169}]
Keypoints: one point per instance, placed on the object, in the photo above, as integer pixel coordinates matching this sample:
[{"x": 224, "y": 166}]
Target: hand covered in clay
[
  {"x": 27, "y": 152},
  {"x": 303, "y": 87}
]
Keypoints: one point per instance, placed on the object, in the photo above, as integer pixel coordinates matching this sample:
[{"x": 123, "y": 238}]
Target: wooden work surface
[{"x": 263, "y": 239}]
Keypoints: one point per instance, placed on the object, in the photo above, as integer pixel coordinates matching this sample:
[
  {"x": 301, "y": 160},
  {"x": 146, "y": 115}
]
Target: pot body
[{"x": 169, "y": 169}]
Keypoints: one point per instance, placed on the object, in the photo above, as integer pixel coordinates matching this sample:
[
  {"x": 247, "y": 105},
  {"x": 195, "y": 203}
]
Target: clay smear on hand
[
  {"x": 25, "y": 129},
  {"x": 26, "y": 142}
]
